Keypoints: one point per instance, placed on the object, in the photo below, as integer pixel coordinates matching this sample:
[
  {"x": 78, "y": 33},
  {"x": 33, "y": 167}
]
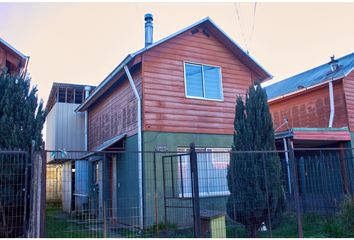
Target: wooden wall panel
[
  {"x": 6, "y": 55},
  {"x": 115, "y": 113},
  {"x": 310, "y": 109},
  {"x": 348, "y": 85},
  {"x": 165, "y": 107}
]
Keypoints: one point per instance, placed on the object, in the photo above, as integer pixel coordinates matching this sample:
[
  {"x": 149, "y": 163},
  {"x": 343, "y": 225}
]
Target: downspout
[
  {"x": 87, "y": 93},
  {"x": 287, "y": 163},
  {"x": 140, "y": 172},
  {"x": 331, "y": 102}
]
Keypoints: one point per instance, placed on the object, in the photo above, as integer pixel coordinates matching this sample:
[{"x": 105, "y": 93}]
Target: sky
[{"x": 83, "y": 42}]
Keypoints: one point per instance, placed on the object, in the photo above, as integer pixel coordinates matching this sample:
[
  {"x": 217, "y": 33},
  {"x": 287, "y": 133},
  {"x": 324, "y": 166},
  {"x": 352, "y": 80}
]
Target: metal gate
[
  {"x": 181, "y": 189},
  {"x": 15, "y": 176}
]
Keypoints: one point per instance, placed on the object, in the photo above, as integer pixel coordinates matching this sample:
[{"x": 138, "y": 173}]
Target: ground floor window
[{"x": 212, "y": 172}]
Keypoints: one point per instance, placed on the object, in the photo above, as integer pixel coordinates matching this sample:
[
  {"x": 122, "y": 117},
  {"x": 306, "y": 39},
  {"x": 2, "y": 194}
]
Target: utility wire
[
  {"x": 238, "y": 20},
  {"x": 253, "y": 22}
]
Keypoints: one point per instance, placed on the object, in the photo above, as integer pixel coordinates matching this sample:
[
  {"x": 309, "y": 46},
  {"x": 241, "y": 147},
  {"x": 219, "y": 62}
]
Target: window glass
[
  {"x": 212, "y": 82},
  {"x": 203, "y": 81},
  {"x": 194, "y": 80}
]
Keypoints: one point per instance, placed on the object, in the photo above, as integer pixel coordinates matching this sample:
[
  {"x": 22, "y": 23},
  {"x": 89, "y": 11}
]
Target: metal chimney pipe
[{"x": 148, "y": 29}]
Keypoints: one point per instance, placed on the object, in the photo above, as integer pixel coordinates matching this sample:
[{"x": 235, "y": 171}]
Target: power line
[
  {"x": 238, "y": 20},
  {"x": 253, "y": 22}
]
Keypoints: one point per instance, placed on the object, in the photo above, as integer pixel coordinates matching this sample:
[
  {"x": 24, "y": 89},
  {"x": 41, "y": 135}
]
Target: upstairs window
[{"x": 203, "y": 81}]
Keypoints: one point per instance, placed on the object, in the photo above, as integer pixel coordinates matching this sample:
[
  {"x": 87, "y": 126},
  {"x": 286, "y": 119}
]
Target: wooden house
[
  {"x": 315, "y": 109},
  {"x": 175, "y": 91},
  {"x": 65, "y": 132},
  {"x": 11, "y": 59}
]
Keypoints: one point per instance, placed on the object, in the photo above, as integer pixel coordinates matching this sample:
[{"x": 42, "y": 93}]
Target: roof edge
[
  {"x": 18, "y": 53},
  {"x": 304, "y": 89},
  {"x": 95, "y": 92},
  {"x": 131, "y": 56}
]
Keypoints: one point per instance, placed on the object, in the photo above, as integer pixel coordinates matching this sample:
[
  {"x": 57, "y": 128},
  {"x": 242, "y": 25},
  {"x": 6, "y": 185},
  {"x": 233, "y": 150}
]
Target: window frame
[
  {"x": 203, "y": 82},
  {"x": 183, "y": 150}
]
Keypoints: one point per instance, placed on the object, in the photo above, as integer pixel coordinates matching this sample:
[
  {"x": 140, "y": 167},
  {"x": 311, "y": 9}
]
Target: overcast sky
[{"x": 83, "y": 42}]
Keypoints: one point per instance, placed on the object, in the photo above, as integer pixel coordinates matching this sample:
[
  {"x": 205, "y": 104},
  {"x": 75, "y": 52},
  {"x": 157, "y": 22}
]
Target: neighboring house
[
  {"x": 65, "y": 131},
  {"x": 315, "y": 109},
  {"x": 178, "y": 90},
  {"x": 318, "y": 104},
  {"x": 12, "y": 59}
]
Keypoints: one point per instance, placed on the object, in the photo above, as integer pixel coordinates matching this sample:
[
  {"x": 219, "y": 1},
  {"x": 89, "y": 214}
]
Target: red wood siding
[
  {"x": 10, "y": 57},
  {"x": 165, "y": 107},
  {"x": 114, "y": 114},
  {"x": 322, "y": 135},
  {"x": 310, "y": 109},
  {"x": 348, "y": 85}
]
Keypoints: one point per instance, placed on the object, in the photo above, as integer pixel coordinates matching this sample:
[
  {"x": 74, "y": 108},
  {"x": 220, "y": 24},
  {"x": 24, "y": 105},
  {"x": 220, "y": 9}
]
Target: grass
[
  {"x": 61, "y": 225},
  {"x": 313, "y": 225}
]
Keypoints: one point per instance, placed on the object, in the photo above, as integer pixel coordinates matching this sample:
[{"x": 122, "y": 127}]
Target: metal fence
[
  {"x": 14, "y": 193},
  {"x": 203, "y": 193}
]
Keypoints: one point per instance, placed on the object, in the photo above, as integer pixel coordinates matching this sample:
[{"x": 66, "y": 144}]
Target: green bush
[
  {"x": 346, "y": 216},
  {"x": 341, "y": 224}
]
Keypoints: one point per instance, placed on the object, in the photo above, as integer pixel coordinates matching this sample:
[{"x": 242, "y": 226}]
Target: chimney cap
[
  {"x": 334, "y": 64},
  {"x": 148, "y": 17}
]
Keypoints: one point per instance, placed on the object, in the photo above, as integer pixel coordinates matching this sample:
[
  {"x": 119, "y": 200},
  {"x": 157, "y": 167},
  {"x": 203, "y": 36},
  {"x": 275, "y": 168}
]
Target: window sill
[
  {"x": 206, "y": 195},
  {"x": 207, "y": 99}
]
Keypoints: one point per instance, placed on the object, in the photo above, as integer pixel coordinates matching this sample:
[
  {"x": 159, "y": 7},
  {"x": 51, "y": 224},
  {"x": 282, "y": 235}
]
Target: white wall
[{"x": 65, "y": 130}]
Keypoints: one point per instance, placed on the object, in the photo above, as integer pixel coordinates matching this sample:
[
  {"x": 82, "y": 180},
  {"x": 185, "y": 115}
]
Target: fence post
[
  {"x": 37, "y": 194},
  {"x": 343, "y": 168},
  {"x": 295, "y": 182},
  {"x": 44, "y": 192},
  {"x": 105, "y": 194},
  {"x": 156, "y": 196},
  {"x": 195, "y": 191},
  {"x": 267, "y": 193}
]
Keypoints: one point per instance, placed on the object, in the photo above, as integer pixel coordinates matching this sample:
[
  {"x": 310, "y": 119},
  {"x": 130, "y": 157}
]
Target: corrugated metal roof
[
  {"x": 236, "y": 49},
  {"x": 311, "y": 77}
]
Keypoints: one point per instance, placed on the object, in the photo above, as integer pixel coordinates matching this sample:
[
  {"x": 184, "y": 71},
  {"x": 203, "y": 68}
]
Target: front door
[{"x": 95, "y": 189}]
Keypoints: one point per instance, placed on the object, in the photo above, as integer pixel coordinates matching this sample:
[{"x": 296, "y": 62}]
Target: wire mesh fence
[
  {"x": 152, "y": 194},
  {"x": 14, "y": 189}
]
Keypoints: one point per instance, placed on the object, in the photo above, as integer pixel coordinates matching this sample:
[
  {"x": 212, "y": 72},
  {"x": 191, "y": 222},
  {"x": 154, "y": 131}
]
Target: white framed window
[
  {"x": 203, "y": 81},
  {"x": 212, "y": 172}
]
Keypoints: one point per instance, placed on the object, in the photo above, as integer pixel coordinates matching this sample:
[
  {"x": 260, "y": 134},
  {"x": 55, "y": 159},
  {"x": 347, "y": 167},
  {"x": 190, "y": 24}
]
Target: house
[
  {"x": 65, "y": 132},
  {"x": 315, "y": 109},
  {"x": 175, "y": 91},
  {"x": 14, "y": 61}
]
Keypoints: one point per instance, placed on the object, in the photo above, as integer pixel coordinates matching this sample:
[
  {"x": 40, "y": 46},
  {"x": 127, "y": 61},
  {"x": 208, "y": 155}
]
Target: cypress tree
[
  {"x": 254, "y": 178},
  {"x": 21, "y": 113},
  {"x": 21, "y": 121}
]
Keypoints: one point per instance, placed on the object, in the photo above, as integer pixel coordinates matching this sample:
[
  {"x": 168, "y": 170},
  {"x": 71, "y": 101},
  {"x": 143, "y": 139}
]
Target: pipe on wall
[
  {"x": 331, "y": 104},
  {"x": 287, "y": 163},
  {"x": 87, "y": 93},
  {"x": 140, "y": 172}
]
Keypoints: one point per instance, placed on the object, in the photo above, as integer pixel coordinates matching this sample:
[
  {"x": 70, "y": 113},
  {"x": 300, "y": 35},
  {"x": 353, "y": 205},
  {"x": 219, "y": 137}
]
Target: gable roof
[
  {"x": 311, "y": 78},
  {"x": 12, "y": 49},
  {"x": 212, "y": 27}
]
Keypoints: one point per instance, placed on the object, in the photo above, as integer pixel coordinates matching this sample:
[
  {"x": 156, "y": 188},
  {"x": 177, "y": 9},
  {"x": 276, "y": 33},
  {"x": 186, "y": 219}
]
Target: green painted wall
[
  {"x": 171, "y": 141},
  {"x": 174, "y": 140},
  {"x": 127, "y": 183}
]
